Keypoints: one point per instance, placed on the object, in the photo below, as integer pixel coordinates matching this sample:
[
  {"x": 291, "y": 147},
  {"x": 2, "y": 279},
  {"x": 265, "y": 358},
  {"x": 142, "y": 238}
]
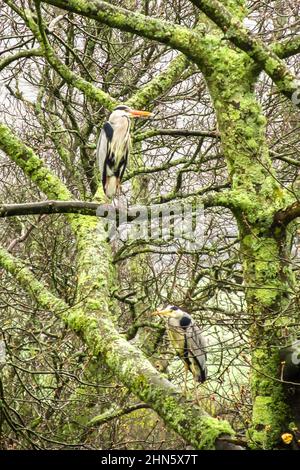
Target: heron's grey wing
[
  {"x": 120, "y": 144},
  {"x": 197, "y": 344},
  {"x": 123, "y": 163},
  {"x": 101, "y": 151}
]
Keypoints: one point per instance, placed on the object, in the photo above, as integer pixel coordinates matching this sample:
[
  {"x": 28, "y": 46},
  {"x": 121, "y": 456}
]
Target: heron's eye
[{"x": 185, "y": 321}]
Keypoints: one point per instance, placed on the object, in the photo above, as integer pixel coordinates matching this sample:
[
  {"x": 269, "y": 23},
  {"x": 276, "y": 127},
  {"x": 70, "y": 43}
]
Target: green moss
[
  {"x": 160, "y": 84},
  {"x": 211, "y": 429},
  {"x": 32, "y": 165},
  {"x": 270, "y": 411},
  {"x": 271, "y": 65}
]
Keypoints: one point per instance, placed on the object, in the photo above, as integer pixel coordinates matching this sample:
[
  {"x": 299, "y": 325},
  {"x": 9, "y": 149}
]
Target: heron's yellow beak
[
  {"x": 164, "y": 313},
  {"x": 137, "y": 113}
]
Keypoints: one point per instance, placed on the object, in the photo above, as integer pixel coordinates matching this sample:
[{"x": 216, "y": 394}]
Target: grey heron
[
  {"x": 113, "y": 147},
  {"x": 187, "y": 339}
]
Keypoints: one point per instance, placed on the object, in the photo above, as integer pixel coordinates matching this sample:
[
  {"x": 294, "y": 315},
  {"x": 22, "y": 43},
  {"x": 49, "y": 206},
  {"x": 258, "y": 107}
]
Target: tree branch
[
  {"x": 69, "y": 207},
  {"x": 115, "y": 412},
  {"x": 254, "y": 47},
  {"x": 90, "y": 91},
  {"x": 20, "y": 55},
  {"x": 159, "y": 84},
  {"x": 178, "y": 37},
  {"x": 283, "y": 217},
  {"x": 128, "y": 363},
  {"x": 176, "y": 133},
  {"x": 287, "y": 47},
  {"x": 93, "y": 209},
  {"x": 32, "y": 165}
]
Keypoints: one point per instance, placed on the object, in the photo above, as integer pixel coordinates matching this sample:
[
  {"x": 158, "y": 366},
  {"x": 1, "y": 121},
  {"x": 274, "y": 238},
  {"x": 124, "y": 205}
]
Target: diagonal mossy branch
[
  {"x": 287, "y": 47},
  {"x": 254, "y": 47},
  {"x": 160, "y": 84},
  {"x": 128, "y": 363},
  {"x": 90, "y": 91},
  {"x": 189, "y": 42},
  {"x": 32, "y": 165},
  {"x": 20, "y": 55},
  {"x": 178, "y": 37}
]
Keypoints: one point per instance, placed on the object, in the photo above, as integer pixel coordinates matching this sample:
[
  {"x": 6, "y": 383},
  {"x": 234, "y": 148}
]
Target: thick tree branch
[
  {"x": 127, "y": 362},
  {"x": 90, "y": 91},
  {"x": 20, "y": 55},
  {"x": 287, "y": 47},
  {"x": 254, "y": 47},
  {"x": 283, "y": 217},
  {"x": 49, "y": 207},
  {"x": 189, "y": 42},
  {"x": 69, "y": 207},
  {"x": 32, "y": 165},
  {"x": 93, "y": 209},
  {"x": 160, "y": 84},
  {"x": 178, "y": 37}
]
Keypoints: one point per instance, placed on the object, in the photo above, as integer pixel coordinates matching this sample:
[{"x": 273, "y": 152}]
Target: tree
[{"x": 238, "y": 90}]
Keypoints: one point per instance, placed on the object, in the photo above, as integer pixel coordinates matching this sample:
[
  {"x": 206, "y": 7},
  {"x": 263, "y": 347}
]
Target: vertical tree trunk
[{"x": 255, "y": 196}]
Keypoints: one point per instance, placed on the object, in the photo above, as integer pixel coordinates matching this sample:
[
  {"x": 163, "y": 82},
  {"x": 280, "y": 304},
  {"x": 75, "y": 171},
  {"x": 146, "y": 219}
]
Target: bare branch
[
  {"x": 89, "y": 208},
  {"x": 176, "y": 133}
]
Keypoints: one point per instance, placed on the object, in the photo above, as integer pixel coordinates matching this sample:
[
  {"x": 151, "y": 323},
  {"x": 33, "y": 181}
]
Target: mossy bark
[
  {"x": 96, "y": 328},
  {"x": 254, "y": 198}
]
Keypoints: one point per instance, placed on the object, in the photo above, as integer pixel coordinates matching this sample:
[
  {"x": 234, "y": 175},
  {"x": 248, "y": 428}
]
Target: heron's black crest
[
  {"x": 121, "y": 108},
  {"x": 185, "y": 321},
  {"x": 174, "y": 308},
  {"x": 109, "y": 132}
]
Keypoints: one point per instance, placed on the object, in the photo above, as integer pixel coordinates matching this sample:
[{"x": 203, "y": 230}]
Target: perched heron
[
  {"x": 187, "y": 340},
  {"x": 113, "y": 147}
]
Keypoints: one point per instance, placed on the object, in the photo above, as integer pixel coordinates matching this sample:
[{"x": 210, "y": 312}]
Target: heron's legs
[
  {"x": 196, "y": 392},
  {"x": 116, "y": 202}
]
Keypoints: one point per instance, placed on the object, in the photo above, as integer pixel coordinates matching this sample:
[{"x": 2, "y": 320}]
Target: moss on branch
[
  {"x": 32, "y": 165},
  {"x": 160, "y": 84},
  {"x": 264, "y": 56},
  {"x": 90, "y": 91},
  {"x": 124, "y": 360},
  {"x": 178, "y": 37}
]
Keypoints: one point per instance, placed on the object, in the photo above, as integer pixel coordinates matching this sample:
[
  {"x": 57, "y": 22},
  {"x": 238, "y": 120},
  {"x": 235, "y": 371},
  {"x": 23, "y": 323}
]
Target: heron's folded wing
[
  {"x": 105, "y": 137},
  {"x": 197, "y": 345}
]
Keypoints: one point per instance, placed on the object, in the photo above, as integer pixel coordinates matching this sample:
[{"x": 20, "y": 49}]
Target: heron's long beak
[
  {"x": 137, "y": 113},
  {"x": 164, "y": 313}
]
